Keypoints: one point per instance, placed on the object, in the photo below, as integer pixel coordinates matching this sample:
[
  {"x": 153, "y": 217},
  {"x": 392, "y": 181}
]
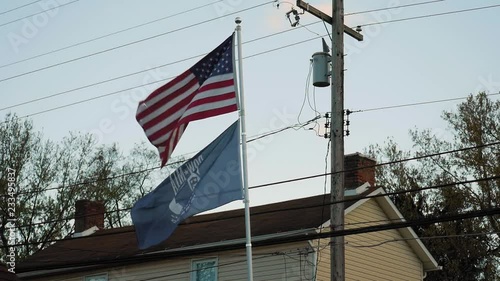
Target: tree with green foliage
[
  {"x": 46, "y": 178},
  {"x": 467, "y": 249}
]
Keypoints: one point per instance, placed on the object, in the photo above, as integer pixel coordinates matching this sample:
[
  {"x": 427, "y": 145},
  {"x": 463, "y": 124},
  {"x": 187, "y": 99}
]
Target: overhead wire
[
  {"x": 138, "y": 72},
  {"x": 173, "y": 15},
  {"x": 252, "y": 139},
  {"x": 381, "y": 195},
  {"x": 355, "y": 198},
  {"x": 19, "y": 7},
  {"x": 392, "y": 8},
  {"x": 109, "y": 34},
  {"x": 365, "y": 110},
  {"x": 268, "y": 51},
  {"x": 380, "y": 9},
  {"x": 142, "y": 85},
  {"x": 306, "y": 177},
  {"x": 130, "y": 43},
  {"x": 431, "y": 15},
  {"x": 327, "y": 30},
  {"x": 381, "y": 227},
  {"x": 307, "y": 97},
  {"x": 154, "y": 82},
  {"x": 44, "y": 11},
  {"x": 418, "y": 157},
  {"x": 311, "y": 236},
  {"x": 312, "y": 105},
  {"x": 381, "y": 164},
  {"x": 418, "y": 238},
  {"x": 308, "y": 80},
  {"x": 123, "y": 76},
  {"x": 318, "y": 257},
  {"x": 298, "y": 125},
  {"x": 416, "y": 104}
]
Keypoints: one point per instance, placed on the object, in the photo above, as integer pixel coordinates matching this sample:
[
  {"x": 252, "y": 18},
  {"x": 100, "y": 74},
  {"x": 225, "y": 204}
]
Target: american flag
[{"x": 205, "y": 90}]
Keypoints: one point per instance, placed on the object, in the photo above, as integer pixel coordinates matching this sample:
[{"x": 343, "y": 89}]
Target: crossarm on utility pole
[{"x": 349, "y": 31}]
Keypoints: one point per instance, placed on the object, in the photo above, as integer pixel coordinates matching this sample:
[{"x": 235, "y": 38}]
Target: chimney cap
[{"x": 361, "y": 155}]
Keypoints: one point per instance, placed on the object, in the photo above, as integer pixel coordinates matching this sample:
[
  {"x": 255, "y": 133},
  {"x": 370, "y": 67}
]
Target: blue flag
[{"x": 210, "y": 179}]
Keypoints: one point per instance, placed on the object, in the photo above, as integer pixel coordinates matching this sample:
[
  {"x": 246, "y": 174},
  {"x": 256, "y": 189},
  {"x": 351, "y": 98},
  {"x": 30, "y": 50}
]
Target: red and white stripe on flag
[{"x": 205, "y": 90}]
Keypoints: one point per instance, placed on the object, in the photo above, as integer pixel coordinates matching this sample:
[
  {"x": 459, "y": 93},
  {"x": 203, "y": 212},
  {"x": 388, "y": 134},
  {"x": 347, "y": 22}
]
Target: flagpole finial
[{"x": 237, "y": 20}]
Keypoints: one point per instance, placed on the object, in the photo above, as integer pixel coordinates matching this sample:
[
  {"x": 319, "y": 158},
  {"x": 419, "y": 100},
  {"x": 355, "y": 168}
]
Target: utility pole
[{"x": 337, "y": 246}]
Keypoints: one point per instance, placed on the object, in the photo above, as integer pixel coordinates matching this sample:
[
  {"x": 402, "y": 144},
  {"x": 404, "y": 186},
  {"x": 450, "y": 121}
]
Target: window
[
  {"x": 204, "y": 270},
  {"x": 99, "y": 277}
]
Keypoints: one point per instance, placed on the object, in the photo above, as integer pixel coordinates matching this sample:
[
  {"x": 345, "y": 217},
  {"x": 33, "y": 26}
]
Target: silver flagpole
[{"x": 241, "y": 104}]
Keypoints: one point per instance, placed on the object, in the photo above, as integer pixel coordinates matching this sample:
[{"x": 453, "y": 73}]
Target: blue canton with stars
[{"x": 217, "y": 62}]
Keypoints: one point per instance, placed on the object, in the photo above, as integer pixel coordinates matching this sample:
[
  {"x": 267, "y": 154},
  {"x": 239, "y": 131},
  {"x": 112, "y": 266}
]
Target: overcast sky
[{"x": 432, "y": 58}]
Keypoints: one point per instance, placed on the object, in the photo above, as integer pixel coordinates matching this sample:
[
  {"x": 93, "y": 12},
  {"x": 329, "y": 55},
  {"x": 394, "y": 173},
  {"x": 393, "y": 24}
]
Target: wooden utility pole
[{"x": 337, "y": 246}]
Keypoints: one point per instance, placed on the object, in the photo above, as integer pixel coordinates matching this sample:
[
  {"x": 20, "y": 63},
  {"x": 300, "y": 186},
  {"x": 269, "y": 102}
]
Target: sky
[{"x": 401, "y": 62}]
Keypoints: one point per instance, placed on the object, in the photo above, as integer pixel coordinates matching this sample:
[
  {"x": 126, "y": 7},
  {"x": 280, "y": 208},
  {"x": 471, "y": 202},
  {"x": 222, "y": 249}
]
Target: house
[{"x": 212, "y": 246}]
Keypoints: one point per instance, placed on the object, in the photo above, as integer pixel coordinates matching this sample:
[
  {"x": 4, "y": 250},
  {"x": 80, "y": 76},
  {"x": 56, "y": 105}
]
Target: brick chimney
[
  {"x": 89, "y": 214},
  {"x": 358, "y": 177}
]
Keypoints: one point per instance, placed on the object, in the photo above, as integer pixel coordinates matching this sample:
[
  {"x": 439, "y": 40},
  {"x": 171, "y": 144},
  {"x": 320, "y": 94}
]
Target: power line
[
  {"x": 432, "y": 15},
  {"x": 247, "y": 42},
  {"x": 282, "y": 240},
  {"x": 146, "y": 84},
  {"x": 381, "y": 164},
  {"x": 17, "y": 8},
  {"x": 391, "y": 8},
  {"x": 44, "y": 11},
  {"x": 357, "y": 198},
  {"x": 318, "y": 257},
  {"x": 283, "y": 47},
  {"x": 298, "y": 125},
  {"x": 138, "y": 72},
  {"x": 141, "y": 171},
  {"x": 303, "y": 178},
  {"x": 294, "y": 179},
  {"x": 381, "y": 227},
  {"x": 130, "y": 43},
  {"x": 299, "y": 178},
  {"x": 296, "y": 208},
  {"x": 415, "y": 104},
  {"x": 109, "y": 34},
  {"x": 271, "y": 50},
  {"x": 252, "y": 138},
  {"x": 170, "y": 16},
  {"x": 281, "y": 182},
  {"x": 421, "y": 238}
]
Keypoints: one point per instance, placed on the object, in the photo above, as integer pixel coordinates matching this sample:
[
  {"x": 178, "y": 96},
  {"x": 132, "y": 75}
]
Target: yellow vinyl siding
[
  {"x": 323, "y": 271},
  {"x": 387, "y": 261}
]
